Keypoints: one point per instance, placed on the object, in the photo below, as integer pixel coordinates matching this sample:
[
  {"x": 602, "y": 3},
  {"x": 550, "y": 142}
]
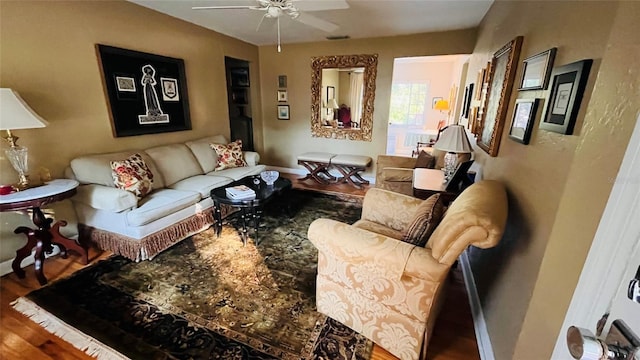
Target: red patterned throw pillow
[
  {"x": 229, "y": 155},
  {"x": 132, "y": 174}
]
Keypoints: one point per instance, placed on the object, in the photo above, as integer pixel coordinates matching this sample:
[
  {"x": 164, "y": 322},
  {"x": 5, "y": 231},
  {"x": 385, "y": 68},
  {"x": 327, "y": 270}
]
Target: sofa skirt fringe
[{"x": 149, "y": 246}]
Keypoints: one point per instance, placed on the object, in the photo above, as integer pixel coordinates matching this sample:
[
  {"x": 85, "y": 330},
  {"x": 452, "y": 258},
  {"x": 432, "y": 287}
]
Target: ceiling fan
[{"x": 295, "y": 9}]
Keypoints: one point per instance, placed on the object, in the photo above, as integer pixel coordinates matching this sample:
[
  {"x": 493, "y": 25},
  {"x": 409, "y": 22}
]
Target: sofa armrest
[
  {"x": 389, "y": 208},
  {"x": 251, "y": 157},
  {"x": 350, "y": 245},
  {"x": 105, "y": 198}
]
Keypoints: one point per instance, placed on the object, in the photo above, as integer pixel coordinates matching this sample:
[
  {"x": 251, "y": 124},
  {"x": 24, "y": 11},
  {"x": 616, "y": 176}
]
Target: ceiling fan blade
[
  {"x": 320, "y": 5},
  {"x": 260, "y": 23},
  {"x": 227, "y": 7},
  {"x": 317, "y": 23}
]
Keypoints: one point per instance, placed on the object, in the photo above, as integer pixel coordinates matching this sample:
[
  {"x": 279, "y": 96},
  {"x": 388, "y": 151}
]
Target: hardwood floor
[{"x": 453, "y": 336}]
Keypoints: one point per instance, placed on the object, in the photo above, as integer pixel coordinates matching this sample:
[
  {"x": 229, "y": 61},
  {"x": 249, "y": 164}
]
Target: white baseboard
[
  {"x": 479, "y": 323},
  {"x": 303, "y": 172},
  {"x": 5, "y": 266}
]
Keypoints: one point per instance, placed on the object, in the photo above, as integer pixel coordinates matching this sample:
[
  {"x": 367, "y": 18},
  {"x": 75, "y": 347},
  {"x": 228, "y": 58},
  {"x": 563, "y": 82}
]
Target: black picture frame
[
  {"x": 146, "y": 93},
  {"x": 524, "y": 114},
  {"x": 459, "y": 180},
  {"x": 239, "y": 76},
  {"x": 568, "y": 83},
  {"x": 536, "y": 70},
  {"x": 282, "y": 81},
  {"x": 466, "y": 103}
]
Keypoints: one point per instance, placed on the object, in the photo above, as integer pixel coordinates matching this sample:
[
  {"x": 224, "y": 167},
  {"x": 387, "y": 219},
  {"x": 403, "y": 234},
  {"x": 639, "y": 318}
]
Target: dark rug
[{"x": 208, "y": 297}]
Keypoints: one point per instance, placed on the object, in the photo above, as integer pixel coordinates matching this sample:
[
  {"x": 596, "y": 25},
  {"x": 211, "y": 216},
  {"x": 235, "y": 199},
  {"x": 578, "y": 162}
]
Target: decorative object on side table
[
  {"x": 537, "y": 70},
  {"x": 501, "y": 76},
  {"x": 147, "y": 93},
  {"x": 454, "y": 141},
  {"x": 16, "y": 114},
  {"x": 523, "y": 117},
  {"x": 567, "y": 88},
  {"x": 44, "y": 236}
]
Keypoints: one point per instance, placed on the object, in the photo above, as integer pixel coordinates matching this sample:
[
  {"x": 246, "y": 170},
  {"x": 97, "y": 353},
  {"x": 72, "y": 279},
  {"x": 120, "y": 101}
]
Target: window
[{"x": 408, "y": 103}]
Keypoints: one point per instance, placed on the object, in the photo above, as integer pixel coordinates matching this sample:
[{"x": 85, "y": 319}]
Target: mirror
[{"x": 342, "y": 93}]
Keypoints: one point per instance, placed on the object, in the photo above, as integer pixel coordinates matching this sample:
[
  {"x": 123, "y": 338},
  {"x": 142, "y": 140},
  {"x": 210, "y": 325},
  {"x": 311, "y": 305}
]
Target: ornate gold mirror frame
[{"x": 370, "y": 65}]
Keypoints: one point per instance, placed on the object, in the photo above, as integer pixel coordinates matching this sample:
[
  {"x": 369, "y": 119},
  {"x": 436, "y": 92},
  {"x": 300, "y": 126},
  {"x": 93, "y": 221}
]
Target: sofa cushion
[
  {"x": 229, "y": 155},
  {"x": 175, "y": 162},
  {"x": 105, "y": 198},
  {"x": 133, "y": 175},
  {"x": 96, "y": 169},
  {"x": 159, "y": 204},
  {"x": 202, "y": 184},
  {"x": 206, "y": 156},
  {"x": 239, "y": 172},
  {"x": 427, "y": 216}
]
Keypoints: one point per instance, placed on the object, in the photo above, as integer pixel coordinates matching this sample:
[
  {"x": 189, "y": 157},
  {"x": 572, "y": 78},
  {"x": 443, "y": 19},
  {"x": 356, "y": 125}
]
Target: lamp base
[{"x": 450, "y": 162}]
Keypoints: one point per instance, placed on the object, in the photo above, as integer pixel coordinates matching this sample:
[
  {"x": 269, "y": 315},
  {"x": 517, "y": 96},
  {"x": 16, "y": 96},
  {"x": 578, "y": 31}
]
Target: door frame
[{"x": 607, "y": 260}]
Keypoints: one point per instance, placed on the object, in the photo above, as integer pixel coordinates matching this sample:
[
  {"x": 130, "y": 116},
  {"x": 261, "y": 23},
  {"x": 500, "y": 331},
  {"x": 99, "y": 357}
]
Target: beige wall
[
  {"x": 47, "y": 54},
  {"x": 286, "y": 139},
  {"x": 558, "y": 184}
]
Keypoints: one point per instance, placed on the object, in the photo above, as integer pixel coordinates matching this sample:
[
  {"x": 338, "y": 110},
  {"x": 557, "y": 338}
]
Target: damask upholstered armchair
[{"x": 390, "y": 290}]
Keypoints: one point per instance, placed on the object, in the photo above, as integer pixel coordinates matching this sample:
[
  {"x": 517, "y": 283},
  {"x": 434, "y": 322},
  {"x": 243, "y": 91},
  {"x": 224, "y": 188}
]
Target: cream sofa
[
  {"x": 179, "y": 205},
  {"x": 391, "y": 291}
]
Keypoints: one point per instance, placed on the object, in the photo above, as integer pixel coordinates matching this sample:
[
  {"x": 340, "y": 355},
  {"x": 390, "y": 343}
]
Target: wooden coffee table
[
  {"x": 427, "y": 182},
  {"x": 250, "y": 210}
]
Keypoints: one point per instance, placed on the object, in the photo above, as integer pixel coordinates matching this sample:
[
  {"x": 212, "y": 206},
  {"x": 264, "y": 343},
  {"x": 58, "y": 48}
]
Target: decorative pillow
[
  {"x": 132, "y": 174},
  {"x": 229, "y": 155},
  {"x": 426, "y": 218},
  {"x": 425, "y": 160}
]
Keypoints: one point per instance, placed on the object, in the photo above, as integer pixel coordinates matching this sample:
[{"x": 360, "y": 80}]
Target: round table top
[
  {"x": 52, "y": 191},
  {"x": 263, "y": 191}
]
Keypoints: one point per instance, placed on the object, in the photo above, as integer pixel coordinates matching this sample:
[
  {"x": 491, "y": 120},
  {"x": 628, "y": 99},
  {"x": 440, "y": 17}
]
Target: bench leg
[
  {"x": 318, "y": 171},
  {"x": 351, "y": 171}
]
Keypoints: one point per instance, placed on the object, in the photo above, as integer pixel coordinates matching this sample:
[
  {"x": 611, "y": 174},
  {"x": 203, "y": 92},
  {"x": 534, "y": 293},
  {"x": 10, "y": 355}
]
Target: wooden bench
[{"x": 319, "y": 163}]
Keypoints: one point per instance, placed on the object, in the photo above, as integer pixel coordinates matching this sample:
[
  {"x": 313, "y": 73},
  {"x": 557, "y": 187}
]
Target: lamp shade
[
  {"x": 454, "y": 139},
  {"x": 333, "y": 104},
  {"x": 442, "y": 105},
  {"x": 16, "y": 114}
]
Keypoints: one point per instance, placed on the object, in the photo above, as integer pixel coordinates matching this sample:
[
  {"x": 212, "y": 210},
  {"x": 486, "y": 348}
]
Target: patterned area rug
[{"x": 208, "y": 297}]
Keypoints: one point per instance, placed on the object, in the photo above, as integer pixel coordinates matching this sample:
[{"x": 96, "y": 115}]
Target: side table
[
  {"x": 427, "y": 182},
  {"x": 45, "y": 235}
]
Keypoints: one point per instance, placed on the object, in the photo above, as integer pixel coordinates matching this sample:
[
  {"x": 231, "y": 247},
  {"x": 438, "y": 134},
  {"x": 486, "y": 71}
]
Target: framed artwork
[
  {"x": 239, "y": 76},
  {"x": 331, "y": 93},
  {"x": 146, "y": 93},
  {"x": 282, "y": 96},
  {"x": 537, "y": 70},
  {"x": 466, "y": 103},
  {"x": 239, "y": 96},
  {"x": 282, "y": 81},
  {"x": 524, "y": 115},
  {"x": 500, "y": 78},
  {"x": 434, "y": 101},
  {"x": 283, "y": 112},
  {"x": 568, "y": 83}
]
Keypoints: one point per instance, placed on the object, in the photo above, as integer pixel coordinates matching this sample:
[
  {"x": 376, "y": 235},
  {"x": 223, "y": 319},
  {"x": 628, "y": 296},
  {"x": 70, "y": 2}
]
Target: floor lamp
[{"x": 15, "y": 114}]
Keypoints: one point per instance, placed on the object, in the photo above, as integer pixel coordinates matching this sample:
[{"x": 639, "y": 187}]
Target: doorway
[
  {"x": 418, "y": 84},
  {"x": 239, "y": 101}
]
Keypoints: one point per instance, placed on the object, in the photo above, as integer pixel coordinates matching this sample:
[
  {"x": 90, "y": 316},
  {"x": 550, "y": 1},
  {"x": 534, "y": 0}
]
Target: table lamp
[
  {"x": 454, "y": 141},
  {"x": 333, "y": 104},
  {"x": 16, "y": 114}
]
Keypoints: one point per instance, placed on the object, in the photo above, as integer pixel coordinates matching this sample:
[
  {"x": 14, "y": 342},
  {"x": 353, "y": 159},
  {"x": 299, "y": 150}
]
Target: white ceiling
[{"x": 363, "y": 18}]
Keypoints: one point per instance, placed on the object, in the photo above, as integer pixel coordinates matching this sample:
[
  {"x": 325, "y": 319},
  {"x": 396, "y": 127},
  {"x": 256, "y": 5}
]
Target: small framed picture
[
  {"x": 434, "y": 101},
  {"x": 127, "y": 84},
  {"x": 282, "y": 81},
  {"x": 568, "y": 83},
  {"x": 283, "y": 112},
  {"x": 239, "y": 76},
  {"x": 537, "y": 70},
  {"x": 282, "y": 96},
  {"x": 524, "y": 115}
]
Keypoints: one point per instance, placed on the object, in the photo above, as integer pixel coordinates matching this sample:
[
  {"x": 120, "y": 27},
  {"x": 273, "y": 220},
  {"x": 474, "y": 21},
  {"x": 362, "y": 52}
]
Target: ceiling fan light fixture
[{"x": 338, "y": 37}]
